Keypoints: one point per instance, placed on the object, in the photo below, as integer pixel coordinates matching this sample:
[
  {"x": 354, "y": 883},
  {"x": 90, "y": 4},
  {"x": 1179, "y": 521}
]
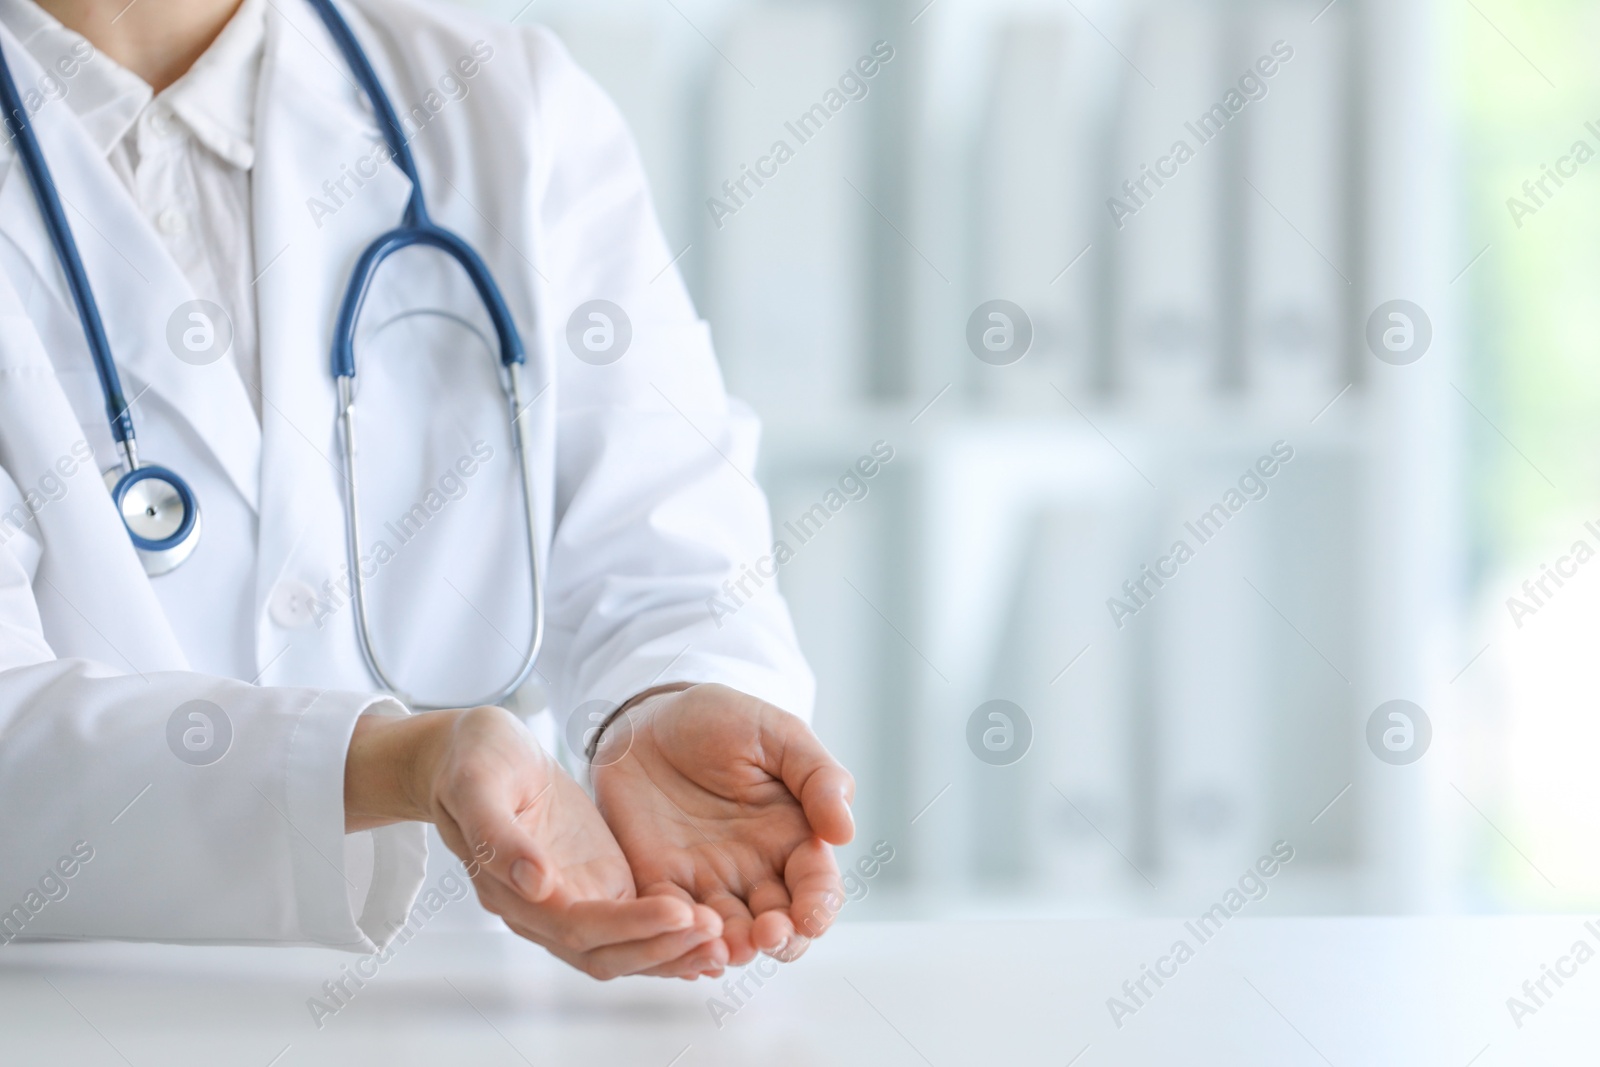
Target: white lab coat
[{"x": 642, "y": 472}]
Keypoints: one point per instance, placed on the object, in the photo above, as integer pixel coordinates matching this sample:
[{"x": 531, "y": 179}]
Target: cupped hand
[
  {"x": 539, "y": 853},
  {"x": 717, "y": 798}
]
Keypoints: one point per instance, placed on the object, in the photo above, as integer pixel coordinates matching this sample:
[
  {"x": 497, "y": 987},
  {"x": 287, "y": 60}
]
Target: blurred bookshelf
[{"x": 1170, "y": 354}]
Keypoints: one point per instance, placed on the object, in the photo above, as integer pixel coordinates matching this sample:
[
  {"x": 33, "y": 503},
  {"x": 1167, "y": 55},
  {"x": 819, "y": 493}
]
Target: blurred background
[{"x": 1170, "y": 321}]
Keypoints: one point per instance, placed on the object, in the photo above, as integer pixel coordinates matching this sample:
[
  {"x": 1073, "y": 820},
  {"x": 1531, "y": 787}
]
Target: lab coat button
[
  {"x": 171, "y": 222},
  {"x": 292, "y": 605}
]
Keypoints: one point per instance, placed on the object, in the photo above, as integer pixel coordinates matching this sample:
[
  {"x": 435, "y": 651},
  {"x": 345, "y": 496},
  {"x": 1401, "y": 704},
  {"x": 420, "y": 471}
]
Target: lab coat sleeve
[
  {"x": 110, "y": 833},
  {"x": 656, "y": 505}
]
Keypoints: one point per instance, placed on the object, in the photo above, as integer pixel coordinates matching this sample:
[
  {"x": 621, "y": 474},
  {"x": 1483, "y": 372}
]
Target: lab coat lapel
[
  {"x": 313, "y": 127},
  {"x": 92, "y": 592},
  {"x": 136, "y": 283}
]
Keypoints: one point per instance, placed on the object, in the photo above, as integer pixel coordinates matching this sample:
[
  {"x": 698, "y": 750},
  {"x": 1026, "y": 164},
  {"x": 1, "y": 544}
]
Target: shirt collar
[{"x": 215, "y": 99}]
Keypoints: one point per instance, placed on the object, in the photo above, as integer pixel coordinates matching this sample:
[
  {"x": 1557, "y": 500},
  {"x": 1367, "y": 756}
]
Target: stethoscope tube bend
[{"x": 418, "y": 229}]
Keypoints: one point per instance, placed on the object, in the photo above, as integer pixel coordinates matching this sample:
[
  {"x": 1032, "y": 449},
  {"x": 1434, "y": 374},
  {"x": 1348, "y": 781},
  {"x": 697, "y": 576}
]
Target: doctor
[{"x": 213, "y": 729}]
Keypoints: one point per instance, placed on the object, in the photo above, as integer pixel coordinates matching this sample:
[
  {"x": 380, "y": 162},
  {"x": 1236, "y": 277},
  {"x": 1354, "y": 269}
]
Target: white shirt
[{"x": 185, "y": 154}]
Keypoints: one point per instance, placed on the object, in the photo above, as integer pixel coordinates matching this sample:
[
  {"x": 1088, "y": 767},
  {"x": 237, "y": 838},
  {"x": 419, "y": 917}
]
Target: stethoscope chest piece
[{"x": 161, "y": 514}]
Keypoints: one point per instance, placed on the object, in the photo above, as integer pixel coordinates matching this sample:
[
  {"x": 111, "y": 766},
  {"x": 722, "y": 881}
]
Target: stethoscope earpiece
[{"x": 161, "y": 514}]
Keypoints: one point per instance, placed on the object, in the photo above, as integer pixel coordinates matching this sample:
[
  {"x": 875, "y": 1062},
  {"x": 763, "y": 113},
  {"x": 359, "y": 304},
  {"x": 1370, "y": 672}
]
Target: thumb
[
  {"x": 491, "y": 844},
  {"x": 823, "y": 787},
  {"x": 494, "y": 809}
]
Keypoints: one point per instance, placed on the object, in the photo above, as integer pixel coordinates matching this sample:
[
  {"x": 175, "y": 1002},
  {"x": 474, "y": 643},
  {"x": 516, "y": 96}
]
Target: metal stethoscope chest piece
[{"x": 159, "y": 510}]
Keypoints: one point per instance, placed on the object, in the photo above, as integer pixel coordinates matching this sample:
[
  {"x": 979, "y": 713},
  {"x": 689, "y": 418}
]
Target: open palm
[
  {"x": 721, "y": 799},
  {"x": 543, "y": 860}
]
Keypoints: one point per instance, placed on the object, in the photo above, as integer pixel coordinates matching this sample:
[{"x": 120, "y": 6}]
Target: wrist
[
  {"x": 390, "y": 768},
  {"x": 627, "y": 706}
]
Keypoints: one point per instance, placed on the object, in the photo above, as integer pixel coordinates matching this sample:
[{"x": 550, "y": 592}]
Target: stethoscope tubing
[
  {"x": 157, "y": 556},
  {"x": 416, "y": 229},
  {"x": 343, "y": 358},
  {"x": 19, "y": 125}
]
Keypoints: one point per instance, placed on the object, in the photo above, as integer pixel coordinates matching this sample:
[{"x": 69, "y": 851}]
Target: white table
[{"x": 1345, "y": 992}]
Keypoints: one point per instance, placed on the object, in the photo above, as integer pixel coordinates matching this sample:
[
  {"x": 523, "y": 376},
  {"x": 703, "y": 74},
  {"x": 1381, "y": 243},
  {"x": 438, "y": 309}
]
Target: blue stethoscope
[{"x": 158, "y": 508}]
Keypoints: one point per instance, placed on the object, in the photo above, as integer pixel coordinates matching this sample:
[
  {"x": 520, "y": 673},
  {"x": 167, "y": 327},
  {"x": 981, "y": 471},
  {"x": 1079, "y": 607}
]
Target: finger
[
  {"x": 736, "y": 923},
  {"x": 634, "y": 957},
  {"x": 582, "y": 962},
  {"x": 812, "y": 876},
  {"x": 508, "y": 853},
  {"x": 484, "y": 825},
  {"x": 666, "y": 889},
  {"x": 792, "y": 949},
  {"x": 489, "y": 862},
  {"x": 707, "y": 915},
  {"x": 772, "y": 931},
  {"x": 708, "y": 958},
  {"x": 699, "y": 967},
  {"x": 592, "y": 924},
  {"x": 825, "y": 789},
  {"x": 584, "y": 926},
  {"x": 769, "y": 903},
  {"x": 767, "y": 896}
]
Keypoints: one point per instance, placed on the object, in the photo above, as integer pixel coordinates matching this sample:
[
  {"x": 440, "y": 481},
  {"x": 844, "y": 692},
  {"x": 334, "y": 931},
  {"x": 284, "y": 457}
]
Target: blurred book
[
  {"x": 1028, "y": 222},
  {"x": 1040, "y": 822},
  {"x": 1297, "y": 255},
  {"x": 1208, "y": 666},
  {"x": 1315, "y": 525},
  {"x": 783, "y": 231},
  {"x": 1166, "y": 232}
]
